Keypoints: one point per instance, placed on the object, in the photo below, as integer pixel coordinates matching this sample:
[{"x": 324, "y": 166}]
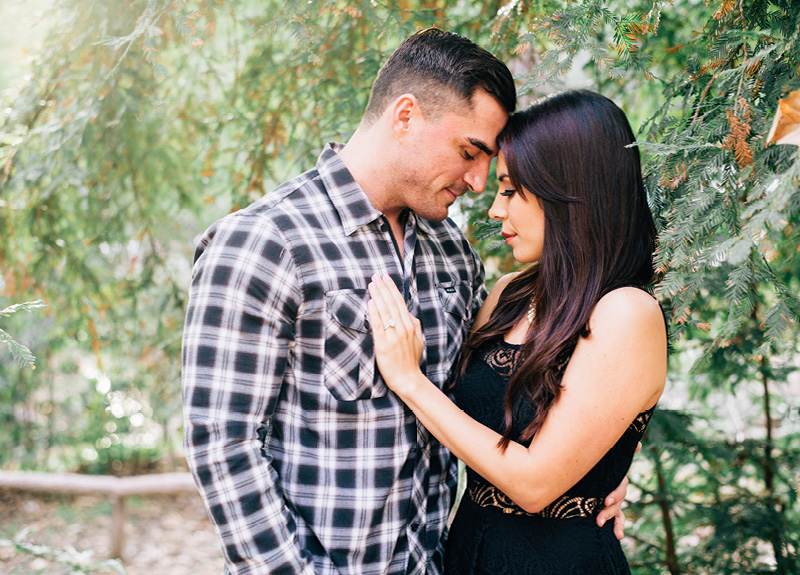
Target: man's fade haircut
[{"x": 440, "y": 69}]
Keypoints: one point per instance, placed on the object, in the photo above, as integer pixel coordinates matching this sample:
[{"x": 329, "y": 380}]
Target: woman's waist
[{"x": 570, "y": 505}]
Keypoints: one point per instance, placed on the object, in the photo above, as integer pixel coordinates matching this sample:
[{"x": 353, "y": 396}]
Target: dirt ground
[{"x": 169, "y": 535}]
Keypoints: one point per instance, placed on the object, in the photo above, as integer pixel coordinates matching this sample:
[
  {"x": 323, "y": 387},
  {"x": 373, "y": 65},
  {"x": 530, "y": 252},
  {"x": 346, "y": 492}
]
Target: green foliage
[
  {"x": 19, "y": 352},
  {"x": 583, "y": 27},
  {"x": 144, "y": 121}
]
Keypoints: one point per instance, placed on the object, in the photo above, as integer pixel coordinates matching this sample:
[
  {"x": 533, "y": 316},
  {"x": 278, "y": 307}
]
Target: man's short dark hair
[{"x": 440, "y": 68}]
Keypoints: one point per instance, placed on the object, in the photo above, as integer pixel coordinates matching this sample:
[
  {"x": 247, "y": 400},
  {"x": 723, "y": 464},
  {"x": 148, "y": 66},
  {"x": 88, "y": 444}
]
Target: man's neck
[{"x": 365, "y": 158}]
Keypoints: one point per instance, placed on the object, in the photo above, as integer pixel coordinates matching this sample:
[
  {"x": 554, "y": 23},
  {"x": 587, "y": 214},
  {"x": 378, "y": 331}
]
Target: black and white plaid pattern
[{"x": 305, "y": 460}]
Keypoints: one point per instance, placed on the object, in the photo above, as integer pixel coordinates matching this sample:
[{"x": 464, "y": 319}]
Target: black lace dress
[{"x": 491, "y": 535}]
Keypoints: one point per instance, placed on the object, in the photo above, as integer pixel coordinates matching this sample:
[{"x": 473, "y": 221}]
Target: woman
[{"x": 566, "y": 360}]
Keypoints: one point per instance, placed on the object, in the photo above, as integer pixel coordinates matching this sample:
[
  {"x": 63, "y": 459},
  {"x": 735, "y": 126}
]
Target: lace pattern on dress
[
  {"x": 502, "y": 358},
  {"x": 640, "y": 423},
  {"x": 565, "y": 507}
]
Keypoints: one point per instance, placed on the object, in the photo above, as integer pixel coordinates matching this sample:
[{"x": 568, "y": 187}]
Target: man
[{"x": 306, "y": 462}]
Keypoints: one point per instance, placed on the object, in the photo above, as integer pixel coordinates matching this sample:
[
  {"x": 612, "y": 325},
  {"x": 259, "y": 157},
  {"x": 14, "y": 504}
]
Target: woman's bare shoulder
[
  {"x": 624, "y": 355},
  {"x": 630, "y": 315},
  {"x": 628, "y": 303}
]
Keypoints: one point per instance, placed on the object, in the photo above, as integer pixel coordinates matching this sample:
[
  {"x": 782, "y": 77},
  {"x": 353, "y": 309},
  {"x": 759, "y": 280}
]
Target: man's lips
[{"x": 455, "y": 193}]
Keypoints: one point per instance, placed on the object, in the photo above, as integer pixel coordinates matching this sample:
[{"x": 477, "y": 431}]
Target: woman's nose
[{"x": 497, "y": 211}]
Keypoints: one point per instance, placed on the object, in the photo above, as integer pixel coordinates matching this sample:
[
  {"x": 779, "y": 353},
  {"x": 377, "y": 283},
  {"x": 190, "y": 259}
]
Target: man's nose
[{"x": 476, "y": 177}]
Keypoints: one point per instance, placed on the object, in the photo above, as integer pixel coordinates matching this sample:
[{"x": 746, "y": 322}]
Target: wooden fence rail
[{"x": 115, "y": 488}]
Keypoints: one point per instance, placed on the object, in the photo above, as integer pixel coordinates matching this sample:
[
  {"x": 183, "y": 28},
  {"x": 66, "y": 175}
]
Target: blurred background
[{"x": 129, "y": 126}]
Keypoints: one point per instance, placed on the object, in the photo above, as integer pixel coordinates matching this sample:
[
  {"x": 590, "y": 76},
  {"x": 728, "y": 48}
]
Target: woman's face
[{"x": 522, "y": 217}]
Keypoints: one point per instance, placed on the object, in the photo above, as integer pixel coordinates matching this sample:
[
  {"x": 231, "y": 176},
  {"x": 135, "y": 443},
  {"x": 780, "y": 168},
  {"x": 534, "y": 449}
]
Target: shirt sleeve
[{"x": 239, "y": 324}]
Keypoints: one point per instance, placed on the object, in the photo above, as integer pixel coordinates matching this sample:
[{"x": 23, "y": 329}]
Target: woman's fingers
[
  {"x": 418, "y": 329},
  {"x": 390, "y": 315},
  {"x": 398, "y": 303},
  {"x": 375, "y": 320},
  {"x": 390, "y": 304},
  {"x": 396, "y": 333},
  {"x": 380, "y": 314}
]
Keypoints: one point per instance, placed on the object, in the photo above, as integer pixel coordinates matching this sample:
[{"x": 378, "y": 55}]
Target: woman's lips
[{"x": 508, "y": 236}]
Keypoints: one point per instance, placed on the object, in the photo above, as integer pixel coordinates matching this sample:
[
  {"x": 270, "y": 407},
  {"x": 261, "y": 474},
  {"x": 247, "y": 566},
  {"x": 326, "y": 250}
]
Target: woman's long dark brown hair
[{"x": 570, "y": 151}]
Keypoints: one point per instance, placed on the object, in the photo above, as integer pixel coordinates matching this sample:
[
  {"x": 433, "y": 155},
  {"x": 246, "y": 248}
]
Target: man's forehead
[{"x": 484, "y": 137}]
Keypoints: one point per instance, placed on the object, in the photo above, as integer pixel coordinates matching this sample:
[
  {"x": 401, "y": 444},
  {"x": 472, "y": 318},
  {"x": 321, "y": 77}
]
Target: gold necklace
[{"x": 531, "y": 312}]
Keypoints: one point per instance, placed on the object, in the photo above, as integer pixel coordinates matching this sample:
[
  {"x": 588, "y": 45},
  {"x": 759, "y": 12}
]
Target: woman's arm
[{"x": 615, "y": 373}]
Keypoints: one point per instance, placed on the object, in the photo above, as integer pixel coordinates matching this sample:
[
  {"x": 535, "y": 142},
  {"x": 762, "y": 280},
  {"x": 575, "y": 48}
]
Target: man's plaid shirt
[{"x": 306, "y": 461}]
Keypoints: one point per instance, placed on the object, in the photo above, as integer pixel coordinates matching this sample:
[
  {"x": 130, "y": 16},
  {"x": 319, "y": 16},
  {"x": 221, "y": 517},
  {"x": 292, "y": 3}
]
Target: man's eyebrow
[{"x": 481, "y": 146}]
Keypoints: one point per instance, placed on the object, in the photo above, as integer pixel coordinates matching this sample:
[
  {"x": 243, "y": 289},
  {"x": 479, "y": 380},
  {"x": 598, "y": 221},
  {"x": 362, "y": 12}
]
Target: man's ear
[{"x": 404, "y": 113}]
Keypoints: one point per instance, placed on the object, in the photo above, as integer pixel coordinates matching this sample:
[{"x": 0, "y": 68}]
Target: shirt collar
[
  {"x": 351, "y": 203},
  {"x": 349, "y": 200},
  {"x": 421, "y": 224}
]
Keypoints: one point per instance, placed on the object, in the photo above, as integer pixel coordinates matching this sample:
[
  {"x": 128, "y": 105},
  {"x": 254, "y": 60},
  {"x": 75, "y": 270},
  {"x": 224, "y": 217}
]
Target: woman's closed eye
[{"x": 509, "y": 192}]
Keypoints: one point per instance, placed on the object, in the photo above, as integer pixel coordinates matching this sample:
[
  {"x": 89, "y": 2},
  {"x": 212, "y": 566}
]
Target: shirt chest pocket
[
  {"x": 455, "y": 299},
  {"x": 349, "y": 364},
  {"x": 451, "y": 306}
]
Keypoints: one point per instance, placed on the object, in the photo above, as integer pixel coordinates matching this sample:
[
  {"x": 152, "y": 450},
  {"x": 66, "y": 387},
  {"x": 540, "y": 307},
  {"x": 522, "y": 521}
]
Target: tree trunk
[
  {"x": 671, "y": 558},
  {"x": 769, "y": 471}
]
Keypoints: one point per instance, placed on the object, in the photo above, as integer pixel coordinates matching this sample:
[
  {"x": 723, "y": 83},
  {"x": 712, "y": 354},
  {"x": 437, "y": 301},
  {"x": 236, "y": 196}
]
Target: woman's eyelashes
[{"x": 508, "y": 192}]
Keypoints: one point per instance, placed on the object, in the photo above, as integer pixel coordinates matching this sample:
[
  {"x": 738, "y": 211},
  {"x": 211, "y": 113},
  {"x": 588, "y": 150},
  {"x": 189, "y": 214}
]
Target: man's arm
[{"x": 235, "y": 351}]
